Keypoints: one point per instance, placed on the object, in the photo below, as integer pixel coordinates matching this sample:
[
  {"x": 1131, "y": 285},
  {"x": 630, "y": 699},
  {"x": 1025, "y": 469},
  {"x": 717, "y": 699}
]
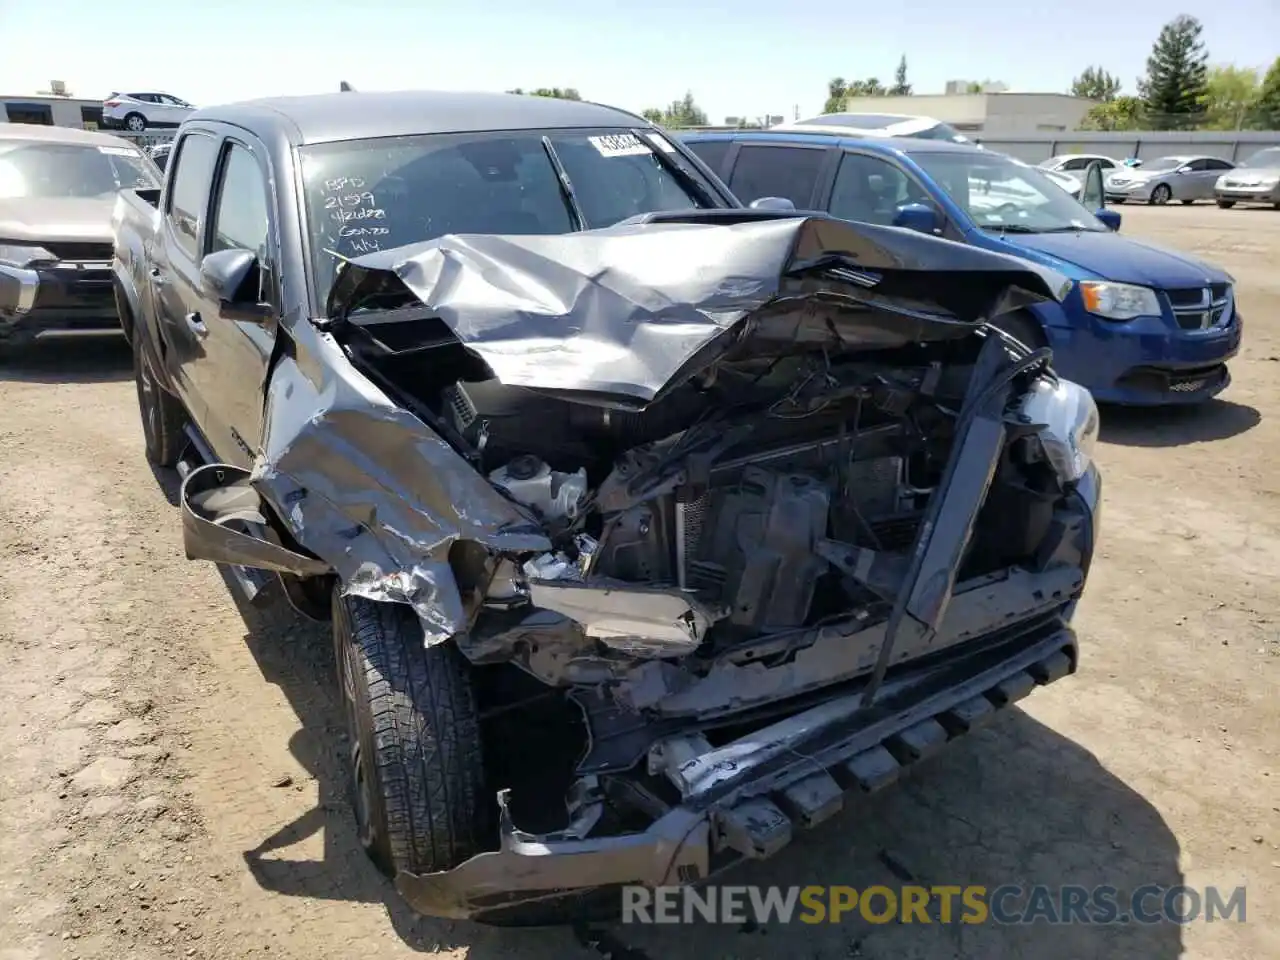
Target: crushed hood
[{"x": 623, "y": 310}]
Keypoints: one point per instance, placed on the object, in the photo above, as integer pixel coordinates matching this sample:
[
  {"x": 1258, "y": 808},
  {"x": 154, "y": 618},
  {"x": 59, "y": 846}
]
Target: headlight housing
[
  {"x": 1118, "y": 301},
  {"x": 1069, "y": 425},
  {"x": 23, "y": 254}
]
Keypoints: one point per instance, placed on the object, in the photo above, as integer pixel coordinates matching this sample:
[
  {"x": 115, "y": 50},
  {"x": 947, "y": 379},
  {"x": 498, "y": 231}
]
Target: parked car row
[{"x": 1186, "y": 178}]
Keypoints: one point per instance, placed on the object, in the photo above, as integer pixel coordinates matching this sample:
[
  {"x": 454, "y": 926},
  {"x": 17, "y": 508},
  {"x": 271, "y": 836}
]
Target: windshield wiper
[
  {"x": 566, "y": 187},
  {"x": 1070, "y": 228},
  {"x": 678, "y": 169},
  {"x": 1011, "y": 228}
]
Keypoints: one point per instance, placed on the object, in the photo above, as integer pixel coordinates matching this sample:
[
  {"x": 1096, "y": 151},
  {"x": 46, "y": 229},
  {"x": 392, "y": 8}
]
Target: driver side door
[{"x": 229, "y": 371}]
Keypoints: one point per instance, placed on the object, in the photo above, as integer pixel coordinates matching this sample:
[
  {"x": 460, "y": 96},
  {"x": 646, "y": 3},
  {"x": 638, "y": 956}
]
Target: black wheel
[
  {"x": 162, "y": 414},
  {"x": 135, "y": 122},
  {"x": 1226, "y": 204},
  {"x": 1187, "y": 203},
  {"x": 1024, "y": 328},
  {"x": 416, "y": 766},
  {"x": 1161, "y": 194},
  {"x": 1115, "y": 200}
]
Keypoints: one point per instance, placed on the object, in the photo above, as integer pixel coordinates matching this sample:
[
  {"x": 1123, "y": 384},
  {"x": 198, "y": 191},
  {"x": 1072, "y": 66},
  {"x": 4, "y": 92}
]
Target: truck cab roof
[{"x": 355, "y": 115}]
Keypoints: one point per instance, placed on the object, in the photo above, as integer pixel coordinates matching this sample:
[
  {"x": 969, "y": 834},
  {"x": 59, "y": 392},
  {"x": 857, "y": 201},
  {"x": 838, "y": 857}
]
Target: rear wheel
[
  {"x": 162, "y": 415},
  {"x": 1226, "y": 204},
  {"x": 1161, "y": 194},
  {"x": 135, "y": 122},
  {"x": 417, "y": 774}
]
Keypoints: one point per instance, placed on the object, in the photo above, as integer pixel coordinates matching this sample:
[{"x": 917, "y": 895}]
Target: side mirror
[
  {"x": 1186, "y": 169},
  {"x": 231, "y": 278},
  {"x": 1093, "y": 193},
  {"x": 1111, "y": 218},
  {"x": 772, "y": 203},
  {"x": 916, "y": 216}
]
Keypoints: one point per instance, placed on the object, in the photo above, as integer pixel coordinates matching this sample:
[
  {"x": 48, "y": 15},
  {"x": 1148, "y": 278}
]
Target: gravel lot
[{"x": 170, "y": 784}]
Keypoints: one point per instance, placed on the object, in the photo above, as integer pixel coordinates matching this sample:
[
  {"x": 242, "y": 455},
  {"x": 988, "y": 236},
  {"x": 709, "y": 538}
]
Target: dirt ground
[{"x": 170, "y": 781}]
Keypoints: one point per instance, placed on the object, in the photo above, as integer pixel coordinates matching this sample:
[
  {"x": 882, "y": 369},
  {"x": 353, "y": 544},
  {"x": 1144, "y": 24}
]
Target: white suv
[{"x": 139, "y": 111}]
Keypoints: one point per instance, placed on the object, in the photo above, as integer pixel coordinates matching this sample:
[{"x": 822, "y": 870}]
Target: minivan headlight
[
  {"x": 1069, "y": 425},
  {"x": 1118, "y": 301}
]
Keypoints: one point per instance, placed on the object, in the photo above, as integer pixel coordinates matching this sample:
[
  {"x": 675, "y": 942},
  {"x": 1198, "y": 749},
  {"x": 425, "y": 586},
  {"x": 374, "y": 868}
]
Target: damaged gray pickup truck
[{"x": 649, "y": 525}]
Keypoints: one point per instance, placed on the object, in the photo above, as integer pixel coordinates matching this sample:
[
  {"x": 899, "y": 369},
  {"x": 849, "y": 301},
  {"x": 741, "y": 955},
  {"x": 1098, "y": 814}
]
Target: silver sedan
[{"x": 1185, "y": 178}]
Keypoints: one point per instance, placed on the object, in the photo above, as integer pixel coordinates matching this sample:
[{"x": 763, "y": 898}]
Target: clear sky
[{"x": 745, "y": 58}]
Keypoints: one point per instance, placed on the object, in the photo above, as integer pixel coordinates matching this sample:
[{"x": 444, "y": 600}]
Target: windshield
[
  {"x": 368, "y": 195},
  {"x": 1002, "y": 194},
  {"x": 60, "y": 170},
  {"x": 1164, "y": 163},
  {"x": 1264, "y": 158}
]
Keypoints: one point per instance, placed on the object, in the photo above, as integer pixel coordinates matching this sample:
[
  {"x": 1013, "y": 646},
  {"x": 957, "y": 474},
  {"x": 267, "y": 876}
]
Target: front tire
[
  {"x": 1161, "y": 194},
  {"x": 417, "y": 774},
  {"x": 1226, "y": 204},
  {"x": 162, "y": 415}
]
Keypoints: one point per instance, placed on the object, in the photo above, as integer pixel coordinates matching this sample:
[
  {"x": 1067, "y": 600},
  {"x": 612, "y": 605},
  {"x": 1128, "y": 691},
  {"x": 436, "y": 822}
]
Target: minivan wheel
[
  {"x": 162, "y": 415},
  {"x": 417, "y": 776},
  {"x": 135, "y": 122},
  {"x": 1161, "y": 194}
]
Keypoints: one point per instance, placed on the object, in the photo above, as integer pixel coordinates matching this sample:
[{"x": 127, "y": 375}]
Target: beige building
[
  {"x": 51, "y": 110},
  {"x": 997, "y": 113}
]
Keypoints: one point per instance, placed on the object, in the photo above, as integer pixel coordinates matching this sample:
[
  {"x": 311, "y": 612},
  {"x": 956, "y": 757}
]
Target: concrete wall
[
  {"x": 1229, "y": 145},
  {"x": 984, "y": 112}
]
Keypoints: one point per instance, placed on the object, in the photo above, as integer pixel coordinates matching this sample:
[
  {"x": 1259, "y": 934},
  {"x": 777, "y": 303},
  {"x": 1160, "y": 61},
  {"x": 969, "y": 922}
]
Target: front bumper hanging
[{"x": 746, "y": 799}]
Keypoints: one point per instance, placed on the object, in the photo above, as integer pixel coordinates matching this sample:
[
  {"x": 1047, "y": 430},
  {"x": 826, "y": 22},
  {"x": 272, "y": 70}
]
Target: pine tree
[
  {"x": 900, "y": 86},
  {"x": 1176, "y": 84},
  {"x": 1096, "y": 84}
]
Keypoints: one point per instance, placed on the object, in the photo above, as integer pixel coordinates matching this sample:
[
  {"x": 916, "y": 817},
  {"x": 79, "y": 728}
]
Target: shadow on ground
[
  {"x": 1176, "y": 426},
  {"x": 1012, "y": 804},
  {"x": 69, "y": 361}
]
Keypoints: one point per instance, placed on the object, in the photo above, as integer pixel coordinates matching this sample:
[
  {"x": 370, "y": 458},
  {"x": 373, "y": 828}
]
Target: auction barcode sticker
[{"x": 619, "y": 145}]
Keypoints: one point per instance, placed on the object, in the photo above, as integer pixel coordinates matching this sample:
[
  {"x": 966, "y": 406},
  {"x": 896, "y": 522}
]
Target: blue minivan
[{"x": 1143, "y": 325}]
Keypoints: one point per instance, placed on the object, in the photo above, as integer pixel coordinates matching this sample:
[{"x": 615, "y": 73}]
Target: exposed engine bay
[{"x": 763, "y": 498}]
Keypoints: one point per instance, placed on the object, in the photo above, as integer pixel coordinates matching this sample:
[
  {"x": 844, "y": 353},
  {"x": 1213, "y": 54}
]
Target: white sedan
[{"x": 137, "y": 112}]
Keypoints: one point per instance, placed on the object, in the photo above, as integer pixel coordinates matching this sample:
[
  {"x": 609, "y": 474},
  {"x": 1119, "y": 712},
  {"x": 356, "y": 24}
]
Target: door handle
[{"x": 196, "y": 325}]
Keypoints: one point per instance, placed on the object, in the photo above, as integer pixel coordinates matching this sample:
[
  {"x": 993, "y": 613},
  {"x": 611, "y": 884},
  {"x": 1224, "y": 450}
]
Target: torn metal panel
[
  {"x": 216, "y": 497},
  {"x": 638, "y": 620},
  {"x": 624, "y": 310},
  {"x": 372, "y": 489}
]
